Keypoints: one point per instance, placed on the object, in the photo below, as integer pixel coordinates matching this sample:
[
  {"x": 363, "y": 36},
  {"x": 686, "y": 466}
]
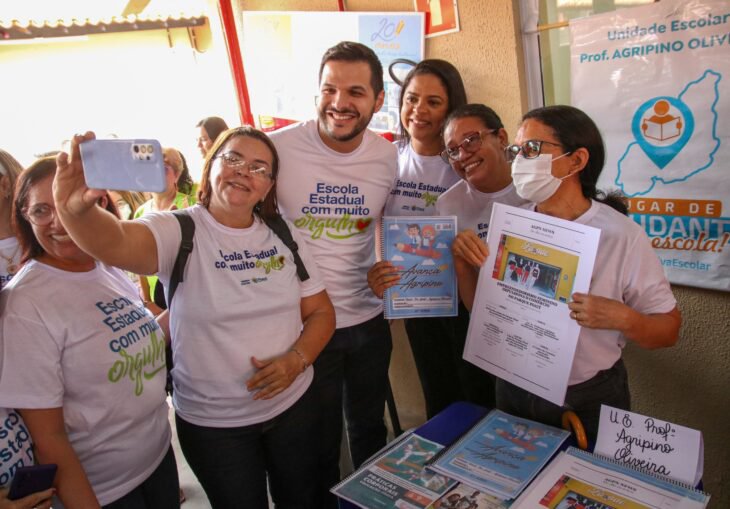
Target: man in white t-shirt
[{"x": 335, "y": 176}]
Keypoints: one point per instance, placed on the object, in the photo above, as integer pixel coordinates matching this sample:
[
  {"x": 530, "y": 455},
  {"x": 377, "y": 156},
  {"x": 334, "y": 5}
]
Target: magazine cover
[
  {"x": 397, "y": 478},
  {"x": 579, "y": 479},
  {"x": 420, "y": 249},
  {"x": 500, "y": 454}
]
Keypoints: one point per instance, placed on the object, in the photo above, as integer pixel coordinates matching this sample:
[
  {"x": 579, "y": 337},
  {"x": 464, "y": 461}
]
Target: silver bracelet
[{"x": 305, "y": 364}]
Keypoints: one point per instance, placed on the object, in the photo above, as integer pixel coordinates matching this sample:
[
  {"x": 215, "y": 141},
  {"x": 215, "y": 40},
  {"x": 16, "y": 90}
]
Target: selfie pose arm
[{"x": 128, "y": 245}]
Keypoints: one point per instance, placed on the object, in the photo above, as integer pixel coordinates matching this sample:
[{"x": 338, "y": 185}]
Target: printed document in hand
[{"x": 520, "y": 328}]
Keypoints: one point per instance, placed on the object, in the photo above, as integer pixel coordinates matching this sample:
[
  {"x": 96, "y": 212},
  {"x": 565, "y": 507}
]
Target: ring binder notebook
[
  {"x": 581, "y": 478},
  {"x": 420, "y": 249}
]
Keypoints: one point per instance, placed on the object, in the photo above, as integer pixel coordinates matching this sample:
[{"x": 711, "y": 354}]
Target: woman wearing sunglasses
[
  {"x": 84, "y": 363},
  {"x": 558, "y": 157},
  {"x": 245, "y": 327}
]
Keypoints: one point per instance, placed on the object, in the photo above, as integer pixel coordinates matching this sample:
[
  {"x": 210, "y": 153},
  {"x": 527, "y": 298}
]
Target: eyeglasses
[
  {"x": 471, "y": 144},
  {"x": 40, "y": 214},
  {"x": 236, "y": 162},
  {"x": 530, "y": 149}
]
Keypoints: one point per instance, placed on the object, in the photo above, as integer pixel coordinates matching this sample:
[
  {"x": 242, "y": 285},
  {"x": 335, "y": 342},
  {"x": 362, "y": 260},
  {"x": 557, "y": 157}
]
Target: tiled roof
[{"x": 14, "y": 29}]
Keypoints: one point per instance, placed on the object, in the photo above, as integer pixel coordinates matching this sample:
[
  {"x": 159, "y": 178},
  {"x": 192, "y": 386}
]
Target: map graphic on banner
[{"x": 655, "y": 79}]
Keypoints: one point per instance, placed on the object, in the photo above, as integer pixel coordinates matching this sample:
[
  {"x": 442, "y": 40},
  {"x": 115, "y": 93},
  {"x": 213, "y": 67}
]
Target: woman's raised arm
[{"x": 128, "y": 245}]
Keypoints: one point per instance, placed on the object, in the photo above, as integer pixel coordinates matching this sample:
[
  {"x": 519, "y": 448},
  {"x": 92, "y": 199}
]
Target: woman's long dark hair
[
  {"x": 574, "y": 129},
  {"x": 213, "y": 126},
  {"x": 268, "y": 208},
  {"x": 185, "y": 182}
]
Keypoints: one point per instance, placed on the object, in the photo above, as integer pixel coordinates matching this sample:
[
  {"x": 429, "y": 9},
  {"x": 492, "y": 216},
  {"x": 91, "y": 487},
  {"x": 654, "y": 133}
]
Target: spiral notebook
[
  {"x": 579, "y": 479},
  {"x": 501, "y": 454},
  {"x": 396, "y": 478},
  {"x": 420, "y": 249}
]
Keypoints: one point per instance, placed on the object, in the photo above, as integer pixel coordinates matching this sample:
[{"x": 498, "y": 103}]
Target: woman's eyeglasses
[
  {"x": 530, "y": 149},
  {"x": 471, "y": 144},
  {"x": 236, "y": 162},
  {"x": 40, "y": 214}
]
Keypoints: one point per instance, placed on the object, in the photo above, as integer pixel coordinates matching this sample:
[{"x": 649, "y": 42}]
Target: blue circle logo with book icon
[{"x": 662, "y": 126}]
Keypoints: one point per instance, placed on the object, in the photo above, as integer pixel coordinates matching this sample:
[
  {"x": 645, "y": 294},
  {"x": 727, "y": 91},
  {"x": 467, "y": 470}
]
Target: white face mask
[{"x": 533, "y": 178}]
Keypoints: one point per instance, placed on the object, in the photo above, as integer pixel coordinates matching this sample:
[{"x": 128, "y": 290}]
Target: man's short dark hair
[{"x": 349, "y": 51}]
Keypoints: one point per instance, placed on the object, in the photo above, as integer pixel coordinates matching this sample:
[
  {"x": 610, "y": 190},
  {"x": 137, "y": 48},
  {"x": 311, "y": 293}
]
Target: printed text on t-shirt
[{"x": 337, "y": 211}]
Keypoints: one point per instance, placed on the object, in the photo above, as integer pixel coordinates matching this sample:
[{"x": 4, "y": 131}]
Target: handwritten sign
[{"x": 654, "y": 446}]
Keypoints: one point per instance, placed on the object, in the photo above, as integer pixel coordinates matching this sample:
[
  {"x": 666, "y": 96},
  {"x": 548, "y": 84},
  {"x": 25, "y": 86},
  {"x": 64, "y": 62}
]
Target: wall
[
  {"x": 688, "y": 384},
  {"x": 486, "y": 51}
]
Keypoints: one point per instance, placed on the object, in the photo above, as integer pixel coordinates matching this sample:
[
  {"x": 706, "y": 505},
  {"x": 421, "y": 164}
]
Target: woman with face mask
[{"x": 558, "y": 157}]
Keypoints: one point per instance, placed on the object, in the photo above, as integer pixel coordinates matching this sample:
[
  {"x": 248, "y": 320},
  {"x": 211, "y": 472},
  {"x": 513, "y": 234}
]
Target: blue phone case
[
  {"x": 32, "y": 479},
  {"x": 124, "y": 165}
]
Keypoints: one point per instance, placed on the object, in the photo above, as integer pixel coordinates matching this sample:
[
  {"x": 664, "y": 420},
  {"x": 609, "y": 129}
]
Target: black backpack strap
[
  {"x": 280, "y": 228},
  {"x": 187, "y": 229}
]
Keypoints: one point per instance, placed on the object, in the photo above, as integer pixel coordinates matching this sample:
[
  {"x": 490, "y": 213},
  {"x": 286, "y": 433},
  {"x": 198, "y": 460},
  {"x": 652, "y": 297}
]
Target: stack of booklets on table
[
  {"x": 501, "y": 454},
  {"x": 577, "y": 479},
  {"x": 504, "y": 462},
  {"x": 495, "y": 460},
  {"x": 397, "y": 478}
]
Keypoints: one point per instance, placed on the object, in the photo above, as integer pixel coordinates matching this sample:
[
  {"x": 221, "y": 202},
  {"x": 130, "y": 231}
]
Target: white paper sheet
[
  {"x": 658, "y": 447},
  {"x": 520, "y": 328}
]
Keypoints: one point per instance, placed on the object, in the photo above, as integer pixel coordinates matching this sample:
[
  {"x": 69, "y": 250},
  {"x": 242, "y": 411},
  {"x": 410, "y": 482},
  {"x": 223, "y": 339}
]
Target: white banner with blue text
[{"x": 656, "y": 80}]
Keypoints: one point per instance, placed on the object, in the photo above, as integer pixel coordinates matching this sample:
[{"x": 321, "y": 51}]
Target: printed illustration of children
[
  {"x": 429, "y": 235},
  {"x": 414, "y": 234}
]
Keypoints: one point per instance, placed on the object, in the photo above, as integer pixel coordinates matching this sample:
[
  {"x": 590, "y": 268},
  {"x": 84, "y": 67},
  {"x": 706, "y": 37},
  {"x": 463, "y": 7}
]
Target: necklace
[{"x": 12, "y": 267}]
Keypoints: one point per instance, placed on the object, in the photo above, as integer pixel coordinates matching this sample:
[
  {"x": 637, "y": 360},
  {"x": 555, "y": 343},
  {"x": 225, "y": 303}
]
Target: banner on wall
[
  {"x": 656, "y": 79},
  {"x": 281, "y": 54}
]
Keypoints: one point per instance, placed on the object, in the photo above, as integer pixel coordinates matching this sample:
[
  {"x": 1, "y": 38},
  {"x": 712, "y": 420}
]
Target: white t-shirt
[
  {"x": 626, "y": 269},
  {"x": 84, "y": 342},
  {"x": 240, "y": 298},
  {"x": 336, "y": 200},
  {"x": 420, "y": 181},
  {"x": 473, "y": 208},
  {"x": 10, "y": 251},
  {"x": 16, "y": 448}
]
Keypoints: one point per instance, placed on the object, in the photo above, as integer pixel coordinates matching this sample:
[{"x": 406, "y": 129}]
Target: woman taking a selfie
[
  {"x": 246, "y": 323},
  {"x": 84, "y": 364}
]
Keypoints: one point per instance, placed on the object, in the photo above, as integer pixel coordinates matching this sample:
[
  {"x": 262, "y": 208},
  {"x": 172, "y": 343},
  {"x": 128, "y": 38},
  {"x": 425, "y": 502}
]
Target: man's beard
[{"x": 361, "y": 125}]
